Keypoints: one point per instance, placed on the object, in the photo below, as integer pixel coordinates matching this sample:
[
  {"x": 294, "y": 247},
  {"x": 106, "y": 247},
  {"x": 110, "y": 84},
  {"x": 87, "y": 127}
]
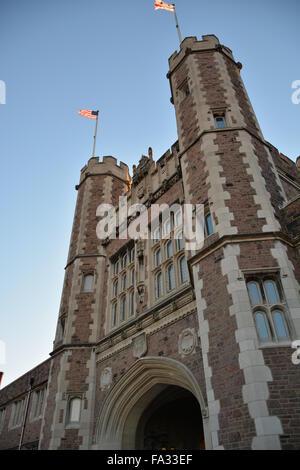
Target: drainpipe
[{"x": 26, "y": 412}]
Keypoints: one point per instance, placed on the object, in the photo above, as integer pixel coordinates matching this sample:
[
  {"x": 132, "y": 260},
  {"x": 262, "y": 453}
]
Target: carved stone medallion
[{"x": 187, "y": 342}]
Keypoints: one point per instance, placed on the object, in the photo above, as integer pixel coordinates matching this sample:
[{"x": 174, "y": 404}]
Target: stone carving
[
  {"x": 139, "y": 345},
  {"x": 187, "y": 342},
  {"x": 106, "y": 378},
  {"x": 140, "y": 191}
]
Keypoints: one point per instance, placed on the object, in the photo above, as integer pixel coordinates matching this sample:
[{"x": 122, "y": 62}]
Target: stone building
[{"x": 159, "y": 347}]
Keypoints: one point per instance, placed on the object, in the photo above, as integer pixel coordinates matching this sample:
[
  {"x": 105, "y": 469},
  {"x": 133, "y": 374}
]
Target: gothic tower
[
  {"x": 158, "y": 346},
  {"x": 72, "y": 373},
  {"x": 246, "y": 276}
]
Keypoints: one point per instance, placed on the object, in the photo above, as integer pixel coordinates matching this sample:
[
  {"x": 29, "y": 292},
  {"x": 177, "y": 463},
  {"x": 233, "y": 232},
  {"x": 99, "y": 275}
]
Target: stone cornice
[
  {"x": 87, "y": 175},
  {"x": 226, "y": 129},
  {"x": 159, "y": 311},
  {"x": 240, "y": 238},
  {"x": 93, "y": 255}
]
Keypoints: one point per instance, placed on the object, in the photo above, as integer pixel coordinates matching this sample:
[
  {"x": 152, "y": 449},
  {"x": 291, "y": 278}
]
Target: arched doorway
[
  {"x": 172, "y": 420},
  {"x": 144, "y": 387}
]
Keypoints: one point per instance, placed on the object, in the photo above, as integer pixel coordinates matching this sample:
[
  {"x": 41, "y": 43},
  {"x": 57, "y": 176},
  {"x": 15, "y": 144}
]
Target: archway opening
[{"x": 172, "y": 420}]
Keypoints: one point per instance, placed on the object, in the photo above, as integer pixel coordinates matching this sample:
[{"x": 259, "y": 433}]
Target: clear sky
[{"x": 57, "y": 56}]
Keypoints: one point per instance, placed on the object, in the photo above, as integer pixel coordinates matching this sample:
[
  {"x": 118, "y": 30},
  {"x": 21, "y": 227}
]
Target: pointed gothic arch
[{"x": 126, "y": 402}]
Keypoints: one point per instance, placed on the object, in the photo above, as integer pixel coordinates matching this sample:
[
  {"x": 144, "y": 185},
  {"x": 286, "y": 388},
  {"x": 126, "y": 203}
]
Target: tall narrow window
[
  {"x": 132, "y": 276},
  {"x": 38, "y": 401},
  {"x": 167, "y": 227},
  {"x": 18, "y": 411},
  {"x": 178, "y": 218},
  {"x": 280, "y": 326},
  {"x": 272, "y": 293},
  {"x": 156, "y": 234},
  {"x": 114, "y": 314},
  {"x": 123, "y": 282},
  {"x": 131, "y": 303},
  {"x": 158, "y": 285},
  {"x": 124, "y": 261},
  {"x": 254, "y": 293},
  {"x": 123, "y": 309},
  {"x": 131, "y": 255},
  {"x": 261, "y": 325},
  {"x": 208, "y": 224},
  {"x": 2, "y": 418},
  {"x": 180, "y": 242},
  {"x": 158, "y": 257},
  {"x": 116, "y": 268},
  {"x": 169, "y": 249},
  {"x": 88, "y": 283},
  {"x": 182, "y": 269},
  {"x": 115, "y": 289},
  {"x": 74, "y": 410},
  {"x": 170, "y": 277}
]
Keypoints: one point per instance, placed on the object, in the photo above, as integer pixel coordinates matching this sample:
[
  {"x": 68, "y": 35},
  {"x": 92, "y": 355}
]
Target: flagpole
[
  {"x": 95, "y": 136},
  {"x": 177, "y": 25}
]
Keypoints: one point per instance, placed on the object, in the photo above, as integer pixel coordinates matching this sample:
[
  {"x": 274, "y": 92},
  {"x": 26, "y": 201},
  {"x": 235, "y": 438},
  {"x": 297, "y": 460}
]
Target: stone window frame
[
  {"x": 268, "y": 309},
  {"x": 183, "y": 90},
  {"x": 220, "y": 113},
  {"x": 2, "y": 418},
  {"x": 70, "y": 397},
  {"x": 37, "y": 404},
  {"x": 84, "y": 275},
  {"x": 126, "y": 269},
  {"x": 182, "y": 256}
]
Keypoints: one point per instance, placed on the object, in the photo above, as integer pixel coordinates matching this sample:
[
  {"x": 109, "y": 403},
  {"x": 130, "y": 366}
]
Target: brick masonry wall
[
  {"x": 9, "y": 438},
  {"x": 236, "y": 426},
  {"x": 161, "y": 343},
  {"x": 284, "y": 399}
]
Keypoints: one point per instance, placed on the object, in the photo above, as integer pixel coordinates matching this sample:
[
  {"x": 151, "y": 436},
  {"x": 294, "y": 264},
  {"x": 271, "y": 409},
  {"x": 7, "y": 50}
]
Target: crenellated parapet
[{"x": 108, "y": 166}]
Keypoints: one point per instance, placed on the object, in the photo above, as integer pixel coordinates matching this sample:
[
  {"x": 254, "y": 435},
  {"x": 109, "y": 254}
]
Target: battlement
[
  {"x": 108, "y": 166},
  {"x": 191, "y": 44}
]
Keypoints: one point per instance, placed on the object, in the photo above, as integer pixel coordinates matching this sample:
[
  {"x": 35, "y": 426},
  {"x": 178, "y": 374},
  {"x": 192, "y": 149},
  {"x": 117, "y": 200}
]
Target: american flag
[
  {"x": 160, "y": 5},
  {"x": 88, "y": 113}
]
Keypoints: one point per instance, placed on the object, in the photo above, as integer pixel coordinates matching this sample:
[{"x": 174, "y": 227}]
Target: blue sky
[{"x": 57, "y": 56}]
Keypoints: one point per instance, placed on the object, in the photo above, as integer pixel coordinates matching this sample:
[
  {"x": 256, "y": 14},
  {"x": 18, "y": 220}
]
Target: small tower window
[
  {"x": 184, "y": 90},
  {"x": 208, "y": 224},
  {"x": 220, "y": 120},
  {"x": 158, "y": 285},
  {"x": 88, "y": 283},
  {"x": 74, "y": 410}
]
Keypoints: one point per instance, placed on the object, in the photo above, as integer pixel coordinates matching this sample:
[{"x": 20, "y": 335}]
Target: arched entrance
[
  {"x": 172, "y": 420},
  {"x": 131, "y": 404}
]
